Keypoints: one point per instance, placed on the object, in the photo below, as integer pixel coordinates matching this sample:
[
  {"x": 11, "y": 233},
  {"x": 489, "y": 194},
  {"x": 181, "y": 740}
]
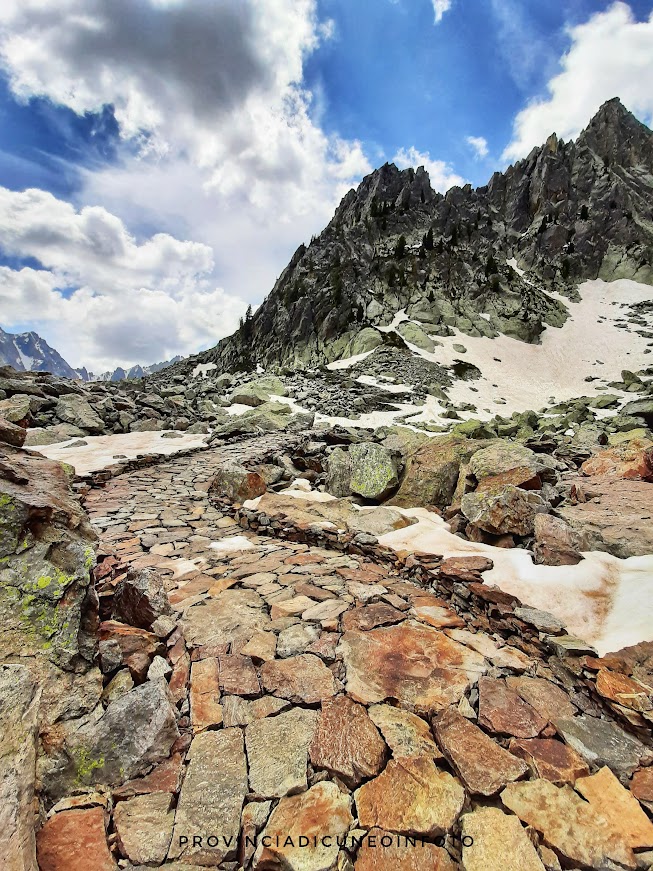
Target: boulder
[
  {"x": 503, "y": 510},
  {"x": 640, "y": 408},
  {"x": 339, "y": 473},
  {"x": 503, "y": 457},
  {"x": 11, "y": 434},
  {"x": 373, "y": 470},
  {"x": 237, "y": 483},
  {"x": 140, "y": 598},
  {"x": 432, "y": 471},
  {"x": 77, "y": 411},
  {"x": 16, "y": 409},
  {"x": 556, "y": 543},
  {"x": 132, "y": 734}
]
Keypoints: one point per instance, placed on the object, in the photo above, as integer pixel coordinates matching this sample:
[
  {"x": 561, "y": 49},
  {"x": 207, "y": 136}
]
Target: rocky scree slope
[{"x": 570, "y": 211}]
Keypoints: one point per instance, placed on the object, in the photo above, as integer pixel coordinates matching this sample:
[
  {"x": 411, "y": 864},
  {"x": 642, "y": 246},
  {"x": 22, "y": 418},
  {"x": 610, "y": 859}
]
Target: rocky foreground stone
[{"x": 239, "y": 700}]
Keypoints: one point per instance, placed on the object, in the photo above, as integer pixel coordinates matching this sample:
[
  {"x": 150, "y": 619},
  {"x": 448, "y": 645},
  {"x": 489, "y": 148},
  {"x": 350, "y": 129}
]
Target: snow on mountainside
[{"x": 28, "y": 352}]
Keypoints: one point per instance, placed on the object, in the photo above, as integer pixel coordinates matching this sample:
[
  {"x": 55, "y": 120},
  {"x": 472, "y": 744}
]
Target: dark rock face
[{"x": 568, "y": 212}]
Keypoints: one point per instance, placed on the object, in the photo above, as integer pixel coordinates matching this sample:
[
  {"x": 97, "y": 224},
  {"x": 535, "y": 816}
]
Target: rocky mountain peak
[{"x": 618, "y": 137}]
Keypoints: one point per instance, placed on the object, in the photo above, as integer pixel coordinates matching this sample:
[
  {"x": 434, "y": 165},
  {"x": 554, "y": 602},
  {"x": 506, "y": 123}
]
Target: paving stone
[
  {"x": 232, "y": 615},
  {"x": 277, "y": 752},
  {"x": 568, "y": 824},
  {"x": 405, "y": 734},
  {"x": 211, "y": 798},
  {"x": 346, "y": 741},
  {"x": 325, "y": 646},
  {"x": 238, "y": 676},
  {"x": 503, "y": 711},
  {"x": 296, "y": 639},
  {"x": 144, "y": 827},
  {"x": 302, "y": 678},
  {"x": 482, "y": 764},
  {"x": 385, "y": 850},
  {"x": 417, "y": 665},
  {"x": 261, "y": 647},
  {"x": 545, "y": 697},
  {"x": 600, "y": 742},
  {"x": 499, "y": 843},
  {"x": 411, "y": 796},
  {"x": 323, "y": 810},
  {"x": 550, "y": 759},
  {"x": 324, "y": 611},
  {"x": 618, "y": 806},
  {"x": 74, "y": 840},
  {"x": 205, "y": 707},
  {"x": 368, "y": 617},
  {"x": 240, "y": 712},
  {"x": 291, "y": 607}
]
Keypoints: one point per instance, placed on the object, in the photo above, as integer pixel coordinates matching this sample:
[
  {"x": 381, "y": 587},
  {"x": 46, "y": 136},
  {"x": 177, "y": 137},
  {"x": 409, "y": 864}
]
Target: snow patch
[
  {"x": 99, "y": 452},
  {"x": 604, "y": 600},
  {"x": 203, "y": 369}
]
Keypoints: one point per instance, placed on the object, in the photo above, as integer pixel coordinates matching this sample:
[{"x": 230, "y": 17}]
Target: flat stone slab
[
  {"x": 550, "y": 759},
  {"x": 321, "y": 811},
  {"x": 304, "y": 678},
  {"x": 502, "y": 710},
  {"x": 347, "y": 742},
  {"x": 417, "y": 665},
  {"x": 211, "y": 798},
  {"x": 498, "y": 843},
  {"x": 601, "y": 742},
  {"x": 568, "y": 824},
  {"x": 405, "y": 734},
  {"x": 144, "y": 827},
  {"x": 411, "y": 796},
  {"x": 230, "y": 616},
  {"x": 382, "y": 850},
  {"x": 482, "y": 764},
  {"x": 277, "y": 752},
  {"x": 74, "y": 840}
]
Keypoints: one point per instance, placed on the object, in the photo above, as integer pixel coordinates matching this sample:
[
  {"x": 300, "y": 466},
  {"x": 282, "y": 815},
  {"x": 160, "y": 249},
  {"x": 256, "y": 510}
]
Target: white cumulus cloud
[
  {"x": 440, "y": 7},
  {"x": 100, "y": 289},
  {"x": 221, "y": 147},
  {"x": 479, "y": 145},
  {"x": 441, "y": 174},
  {"x": 611, "y": 55}
]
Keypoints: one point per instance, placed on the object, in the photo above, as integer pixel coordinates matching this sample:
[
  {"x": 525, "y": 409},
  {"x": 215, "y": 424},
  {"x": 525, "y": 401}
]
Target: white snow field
[
  {"x": 102, "y": 451},
  {"x": 516, "y": 376}
]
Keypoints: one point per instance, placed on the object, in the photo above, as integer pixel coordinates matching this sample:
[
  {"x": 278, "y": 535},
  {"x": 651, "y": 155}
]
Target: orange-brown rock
[
  {"x": 465, "y": 568},
  {"x": 624, "y": 691},
  {"x": 205, "y": 707},
  {"x": 619, "y": 807},
  {"x": 550, "y": 759},
  {"x": 165, "y": 777},
  {"x": 412, "y": 796},
  {"x": 545, "y": 697},
  {"x": 137, "y": 646},
  {"x": 382, "y": 850},
  {"x": 482, "y": 764},
  {"x": 435, "y": 612},
  {"x": 494, "y": 841},
  {"x": 304, "y": 678},
  {"x": 417, "y": 665},
  {"x": 641, "y": 785},
  {"x": 346, "y": 741},
  {"x": 633, "y": 459},
  {"x": 568, "y": 824},
  {"x": 405, "y": 734},
  {"x": 144, "y": 827},
  {"x": 238, "y": 675},
  {"x": 370, "y": 616},
  {"x": 319, "y": 816},
  {"x": 74, "y": 841},
  {"x": 503, "y": 711}
]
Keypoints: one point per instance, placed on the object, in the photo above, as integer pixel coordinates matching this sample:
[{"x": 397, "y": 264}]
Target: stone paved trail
[{"x": 322, "y": 696}]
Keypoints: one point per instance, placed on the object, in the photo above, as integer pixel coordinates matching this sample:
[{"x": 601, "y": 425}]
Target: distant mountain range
[{"x": 29, "y": 352}]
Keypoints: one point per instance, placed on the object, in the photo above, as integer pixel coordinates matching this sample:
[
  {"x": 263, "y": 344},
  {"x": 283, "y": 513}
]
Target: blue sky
[{"x": 160, "y": 160}]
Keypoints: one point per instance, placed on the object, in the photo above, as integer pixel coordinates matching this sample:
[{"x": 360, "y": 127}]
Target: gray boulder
[{"x": 76, "y": 410}]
